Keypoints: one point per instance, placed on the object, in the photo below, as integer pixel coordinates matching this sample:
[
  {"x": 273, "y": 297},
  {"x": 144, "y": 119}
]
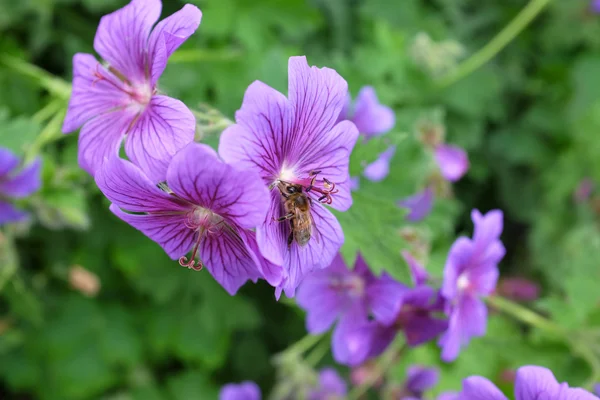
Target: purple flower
[
  {"x": 418, "y": 273},
  {"x": 452, "y": 161},
  {"x": 370, "y": 117},
  {"x": 595, "y": 6},
  {"x": 532, "y": 383},
  {"x": 354, "y": 183},
  {"x": 121, "y": 101},
  {"x": 357, "y": 339},
  {"x": 297, "y": 141},
  {"x": 16, "y": 183},
  {"x": 246, "y": 390},
  {"x": 419, "y": 204},
  {"x": 418, "y": 380},
  {"x": 331, "y": 386},
  {"x": 336, "y": 292},
  {"x": 380, "y": 168},
  {"x": 471, "y": 272},
  {"x": 519, "y": 289},
  {"x": 205, "y": 208},
  {"x": 597, "y": 389}
]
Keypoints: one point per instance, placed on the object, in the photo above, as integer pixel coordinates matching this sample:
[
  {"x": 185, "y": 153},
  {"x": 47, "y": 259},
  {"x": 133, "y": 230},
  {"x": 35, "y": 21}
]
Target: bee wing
[{"x": 305, "y": 221}]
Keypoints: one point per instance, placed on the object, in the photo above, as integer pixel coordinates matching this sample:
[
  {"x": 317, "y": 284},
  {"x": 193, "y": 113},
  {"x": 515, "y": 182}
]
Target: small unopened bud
[{"x": 84, "y": 281}]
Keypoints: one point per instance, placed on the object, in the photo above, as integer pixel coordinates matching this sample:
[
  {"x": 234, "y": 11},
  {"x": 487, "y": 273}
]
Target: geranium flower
[{"x": 16, "y": 183}]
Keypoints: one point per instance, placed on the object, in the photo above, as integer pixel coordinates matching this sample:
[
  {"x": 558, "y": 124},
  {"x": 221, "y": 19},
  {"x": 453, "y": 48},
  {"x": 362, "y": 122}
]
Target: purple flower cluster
[
  {"x": 16, "y": 182},
  {"x": 370, "y": 311},
  {"x": 257, "y": 209}
]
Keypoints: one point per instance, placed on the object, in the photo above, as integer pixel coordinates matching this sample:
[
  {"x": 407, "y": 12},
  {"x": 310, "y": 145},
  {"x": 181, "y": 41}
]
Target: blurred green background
[{"x": 529, "y": 119}]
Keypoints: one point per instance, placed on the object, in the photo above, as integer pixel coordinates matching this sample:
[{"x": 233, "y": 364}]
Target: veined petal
[
  {"x": 317, "y": 96},
  {"x": 8, "y": 162},
  {"x": 101, "y": 138},
  {"x": 384, "y": 296},
  {"x": 228, "y": 259},
  {"x": 164, "y": 127},
  {"x": 534, "y": 383},
  {"x": 467, "y": 320},
  {"x": 479, "y": 388},
  {"x": 168, "y": 35},
  {"x": 122, "y": 38},
  {"x": 271, "y": 235},
  {"x": 272, "y": 273},
  {"x": 326, "y": 239},
  {"x": 8, "y": 213},
  {"x": 168, "y": 230},
  {"x": 371, "y": 117},
  {"x": 197, "y": 174},
  {"x": 24, "y": 183},
  {"x": 261, "y": 138},
  {"x": 125, "y": 185},
  {"x": 95, "y": 91},
  {"x": 329, "y": 153}
]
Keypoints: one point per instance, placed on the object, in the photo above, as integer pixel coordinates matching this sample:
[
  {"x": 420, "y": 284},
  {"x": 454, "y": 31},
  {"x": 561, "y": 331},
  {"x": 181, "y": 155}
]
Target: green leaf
[{"x": 191, "y": 385}]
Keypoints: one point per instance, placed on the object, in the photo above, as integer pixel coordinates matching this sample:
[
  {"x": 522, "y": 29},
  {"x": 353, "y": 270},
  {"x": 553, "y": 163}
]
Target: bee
[{"x": 296, "y": 204}]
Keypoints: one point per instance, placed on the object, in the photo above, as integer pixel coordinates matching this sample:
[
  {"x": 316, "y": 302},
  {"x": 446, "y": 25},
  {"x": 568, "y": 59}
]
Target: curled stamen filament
[{"x": 191, "y": 263}]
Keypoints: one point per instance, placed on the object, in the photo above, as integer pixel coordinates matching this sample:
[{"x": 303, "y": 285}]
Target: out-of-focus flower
[
  {"x": 584, "y": 190},
  {"x": 203, "y": 208},
  {"x": 595, "y": 6},
  {"x": 350, "y": 296},
  {"x": 84, "y": 281},
  {"x": 370, "y": 117},
  {"x": 331, "y": 386},
  {"x": 354, "y": 183},
  {"x": 597, "y": 389},
  {"x": 532, "y": 383},
  {"x": 379, "y": 169},
  {"x": 419, "y": 204},
  {"x": 418, "y": 380},
  {"x": 418, "y": 274},
  {"x": 470, "y": 273},
  {"x": 16, "y": 183},
  {"x": 357, "y": 339},
  {"x": 452, "y": 161},
  {"x": 518, "y": 289},
  {"x": 120, "y": 101},
  {"x": 246, "y": 390},
  {"x": 296, "y": 140}
]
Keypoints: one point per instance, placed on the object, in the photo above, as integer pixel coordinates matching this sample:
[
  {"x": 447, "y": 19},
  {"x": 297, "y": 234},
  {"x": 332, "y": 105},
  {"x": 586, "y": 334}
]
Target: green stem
[
  {"x": 526, "y": 315},
  {"x": 516, "y": 26},
  {"x": 317, "y": 353},
  {"x": 54, "y": 85},
  {"x": 301, "y": 345}
]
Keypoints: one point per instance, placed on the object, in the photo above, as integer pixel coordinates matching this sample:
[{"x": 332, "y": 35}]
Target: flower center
[
  {"x": 352, "y": 285},
  {"x": 463, "y": 282},
  {"x": 204, "y": 222},
  {"x": 324, "y": 188}
]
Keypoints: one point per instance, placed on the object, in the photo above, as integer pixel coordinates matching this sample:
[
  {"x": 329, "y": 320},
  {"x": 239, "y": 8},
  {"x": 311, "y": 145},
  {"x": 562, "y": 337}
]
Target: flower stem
[
  {"x": 54, "y": 85},
  {"x": 527, "y": 316},
  {"x": 301, "y": 346},
  {"x": 506, "y": 35},
  {"x": 317, "y": 353}
]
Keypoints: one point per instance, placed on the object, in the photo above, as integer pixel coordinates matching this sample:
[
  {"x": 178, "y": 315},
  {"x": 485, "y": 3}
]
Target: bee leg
[
  {"x": 285, "y": 217},
  {"x": 290, "y": 240}
]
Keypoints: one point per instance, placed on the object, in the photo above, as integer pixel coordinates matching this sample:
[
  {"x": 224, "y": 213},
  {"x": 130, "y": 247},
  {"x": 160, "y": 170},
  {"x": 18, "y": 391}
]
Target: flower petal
[
  {"x": 197, "y": 174},
  {"x": 228, "y": 260},
  {"x": 101, "y": 138},
  {"x": 326, "y": 239},
  {"x": 479, "y": 388},
  {"x": 8, "y": 162},
  {"x": 423, "y": 328},
  {"x": 488, "y": 227},
  {"x": 24, "y": 183},
  {"x": 95, "y": 91},
  {"x": 169, "y": 231},
  {"x": 458, "y": 259},
  {"x": 535, "y": 382},
  {"x": 164, "y": 128},
  {"x": 384, "y": 296},
  {"x": 419, "y": 204},
  {"x": 317, "y": 96},
  {"x": 331, "y": 386},
  {"x": 122, "y": 38},
  {"x": 168, "y": 35},
  {"x": 453, "y": 162},
  {"x": 270, "y": 272},
  {"x": 351, "y": 340},
  {"x": 418, "y": 273},
  {"x": 8, "y": 213},
  {"x": 379, "y": 169},
  {"x": 419, "y": 379},
  {"x": 329, "y": 153},
  {"x": 260, "y": 138},
  {"x": 243, "y": 391},
  {"x": 371, "y": 117},
  {"x": 125, "y": 185},
  {"x": 323, "y": 305},
  {"x": 467, "y": 320}
]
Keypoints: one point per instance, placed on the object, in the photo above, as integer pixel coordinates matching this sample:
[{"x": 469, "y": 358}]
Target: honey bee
[{"x": 296, "y": 204}]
